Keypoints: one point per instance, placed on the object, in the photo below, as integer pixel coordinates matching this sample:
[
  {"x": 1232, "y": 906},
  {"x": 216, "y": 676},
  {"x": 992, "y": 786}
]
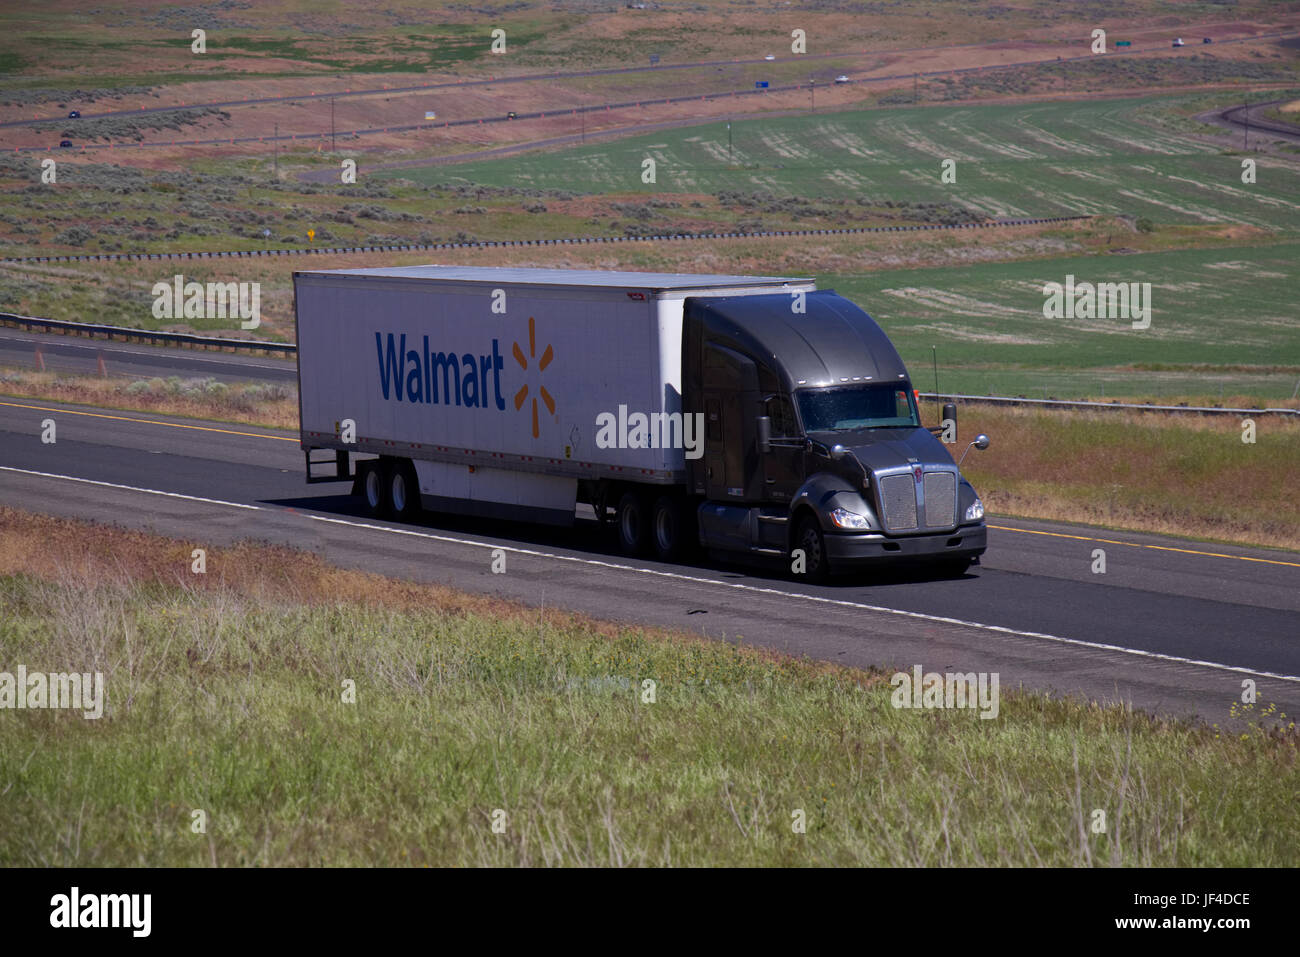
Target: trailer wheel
[
  {"x": 374, "y": 488},
  {"x": 403, "y": 490},
  {"x": 672, "y": 528},
  {"x": 633, "y": 524},
  {"x": 809, "y": 537}
]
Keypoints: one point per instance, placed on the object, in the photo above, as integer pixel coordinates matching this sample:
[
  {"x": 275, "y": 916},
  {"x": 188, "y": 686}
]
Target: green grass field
[
  {"x": 1223, "y": 323},
  {"x": 229, "y": 699},
  {"x": 1035, "y": 159}
]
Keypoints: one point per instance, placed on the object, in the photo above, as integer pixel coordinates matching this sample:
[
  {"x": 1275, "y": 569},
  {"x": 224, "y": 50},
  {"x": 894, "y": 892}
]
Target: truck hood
[{"x": 881, "y": 449}]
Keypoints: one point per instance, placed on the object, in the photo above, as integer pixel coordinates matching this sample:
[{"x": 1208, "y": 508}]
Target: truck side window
[{"x": 781, "y": 412}]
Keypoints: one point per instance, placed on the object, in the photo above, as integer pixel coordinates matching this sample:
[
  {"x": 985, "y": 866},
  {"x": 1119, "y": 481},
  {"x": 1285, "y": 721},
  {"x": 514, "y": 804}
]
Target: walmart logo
[
  {"x": 413, "y": 372},
  {"x": 415, "y": 375}
]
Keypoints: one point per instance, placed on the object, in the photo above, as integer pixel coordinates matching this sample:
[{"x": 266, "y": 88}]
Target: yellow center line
[
  {"x": 170, "y": 425},
  {"x": 1159, "y": 548}
]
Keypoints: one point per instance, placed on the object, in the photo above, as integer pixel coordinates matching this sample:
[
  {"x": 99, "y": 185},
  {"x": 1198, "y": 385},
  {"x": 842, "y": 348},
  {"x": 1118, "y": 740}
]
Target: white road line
[
  {"x": 1000, "y": 629},
  {"x": 776, "y": 592},
  {"x": 132, "y": 488}
]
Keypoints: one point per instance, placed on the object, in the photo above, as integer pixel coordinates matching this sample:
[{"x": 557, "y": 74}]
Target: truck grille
[
  {"x": 899, "y": 502},
  {"x": 940, "y": 499}
]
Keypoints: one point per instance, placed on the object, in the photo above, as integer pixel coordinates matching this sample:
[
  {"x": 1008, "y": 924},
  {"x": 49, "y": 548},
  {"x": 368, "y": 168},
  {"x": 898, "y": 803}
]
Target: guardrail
[
  {"x": 122, "y": 333},
  {"x": 502, "y": 243},
  {"x": 1086, "y": 404}
]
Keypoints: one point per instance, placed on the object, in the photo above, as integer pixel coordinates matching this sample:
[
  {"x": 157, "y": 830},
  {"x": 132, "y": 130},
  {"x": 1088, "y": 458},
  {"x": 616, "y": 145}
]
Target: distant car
[
  {"x": 65, "y": 144},
  {"x": 512, "y": 115},
  {"x": 841, "y": 79},
  {"x": 74, "y": 115},
  {"x": 1206, "y": 40},
  {"x": 769, "y": 57},
  {"x": 1179, "y": 42}
]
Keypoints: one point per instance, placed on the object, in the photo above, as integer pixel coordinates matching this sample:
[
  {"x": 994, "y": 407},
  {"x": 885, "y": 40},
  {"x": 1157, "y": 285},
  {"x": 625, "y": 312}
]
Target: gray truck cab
[{"x": 814, "y": 446}]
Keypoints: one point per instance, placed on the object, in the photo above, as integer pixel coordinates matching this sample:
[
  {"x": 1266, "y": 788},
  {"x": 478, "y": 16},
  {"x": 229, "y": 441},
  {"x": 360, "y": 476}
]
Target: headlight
[
  {"x": 843, "y": 518},
  {"x": 975, "y": 512}
]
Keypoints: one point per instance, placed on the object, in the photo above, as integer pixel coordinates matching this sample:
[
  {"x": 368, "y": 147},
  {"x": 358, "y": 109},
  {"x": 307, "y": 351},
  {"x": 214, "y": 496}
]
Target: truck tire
[
  {"x": 672, "y": 531},
  {"x": 374, "y": 488},
  {"x": 808, "y": 536},
  {"x": 633, "y": 524},
  {"x": 403, "y": 490}
]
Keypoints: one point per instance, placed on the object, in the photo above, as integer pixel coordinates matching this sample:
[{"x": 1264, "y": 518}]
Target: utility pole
[
  {"x": 277, "y": 151},
  {"x": 332, "y": 149},
  {"x": 914, "y": 79},
  {"x": 1245, "y": 129},
  {"x": 812, "y": 92},
  {"x": 729, "y": 157},
  {"x": 583, "y": 114}
]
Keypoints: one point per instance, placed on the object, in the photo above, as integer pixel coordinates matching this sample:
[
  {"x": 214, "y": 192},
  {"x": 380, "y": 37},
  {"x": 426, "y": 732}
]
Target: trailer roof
[{"x": 557, "y": 277}]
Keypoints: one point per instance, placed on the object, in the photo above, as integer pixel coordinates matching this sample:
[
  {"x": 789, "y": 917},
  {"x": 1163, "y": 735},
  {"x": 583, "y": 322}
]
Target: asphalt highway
[{"x": 1172, "y": 626}]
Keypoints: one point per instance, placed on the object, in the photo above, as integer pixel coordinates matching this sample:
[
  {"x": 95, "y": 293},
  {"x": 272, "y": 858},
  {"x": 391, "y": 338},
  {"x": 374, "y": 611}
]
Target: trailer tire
[
  {"x": 672, "y": 528},
  {"x": 808, "y": 536},
  {"x": 633, "y": 524},
  {"x": 403, "y": 490},
  {"x": 374, "y": 488}
]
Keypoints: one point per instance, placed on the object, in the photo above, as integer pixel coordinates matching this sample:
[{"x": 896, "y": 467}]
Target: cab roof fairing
[{"x": 832, "y": 343}]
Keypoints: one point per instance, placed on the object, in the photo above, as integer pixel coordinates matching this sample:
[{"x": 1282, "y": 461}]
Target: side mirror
[
  {"x": 949, "y": 412},
  {"x": 764, "y": 434},
  {"x": 981, "y": 442}
]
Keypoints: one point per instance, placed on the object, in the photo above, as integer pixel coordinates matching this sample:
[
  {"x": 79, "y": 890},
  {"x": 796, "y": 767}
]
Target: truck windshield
[{"x": 878, "y": 406}]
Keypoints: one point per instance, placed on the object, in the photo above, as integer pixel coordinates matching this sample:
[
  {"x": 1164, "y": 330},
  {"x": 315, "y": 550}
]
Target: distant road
[
  {"x": 319, "y": 136},
  {"x": 1247, "y": 119}
]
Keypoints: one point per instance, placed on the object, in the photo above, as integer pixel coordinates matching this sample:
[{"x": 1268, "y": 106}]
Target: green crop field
[
  {"x": 1223, "y": 322},
  {"x": 1030, "y": 159}
]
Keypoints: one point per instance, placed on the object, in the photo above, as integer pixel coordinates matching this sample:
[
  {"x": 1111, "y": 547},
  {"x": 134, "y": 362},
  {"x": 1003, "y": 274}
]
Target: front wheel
[{"x": 810, "y": 540}]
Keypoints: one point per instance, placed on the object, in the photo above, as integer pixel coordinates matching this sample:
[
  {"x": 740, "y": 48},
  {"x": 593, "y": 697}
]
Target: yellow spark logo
[{"x": 522, "y": 395}]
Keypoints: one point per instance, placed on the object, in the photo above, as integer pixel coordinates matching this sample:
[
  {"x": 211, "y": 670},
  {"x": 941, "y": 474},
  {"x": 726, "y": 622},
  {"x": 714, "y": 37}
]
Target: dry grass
[
  {"x": 223, "y": 694},
  {"x": 245, "y": 403},
  {"x": 1183, "y": 475}
]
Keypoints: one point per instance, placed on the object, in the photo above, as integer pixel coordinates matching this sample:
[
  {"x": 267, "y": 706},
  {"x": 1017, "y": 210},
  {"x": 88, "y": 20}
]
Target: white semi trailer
[{"x": 737, "y": 413}]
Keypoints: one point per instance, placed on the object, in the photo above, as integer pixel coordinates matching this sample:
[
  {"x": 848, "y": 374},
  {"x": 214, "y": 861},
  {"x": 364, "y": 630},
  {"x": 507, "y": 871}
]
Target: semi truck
[{"x": 733, "y": 414}]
